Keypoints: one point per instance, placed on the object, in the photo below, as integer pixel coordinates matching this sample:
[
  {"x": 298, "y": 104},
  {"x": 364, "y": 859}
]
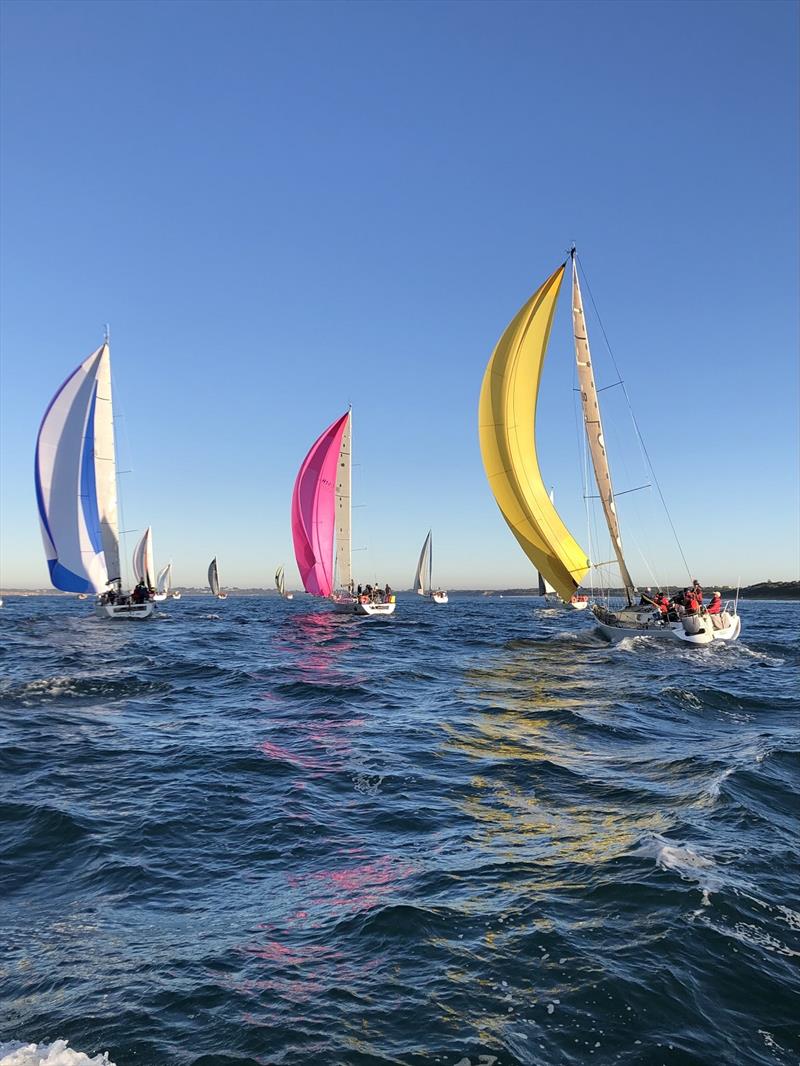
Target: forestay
[
  {"x": 507, "y": 424},
  {"x": 75, "y": 473}
]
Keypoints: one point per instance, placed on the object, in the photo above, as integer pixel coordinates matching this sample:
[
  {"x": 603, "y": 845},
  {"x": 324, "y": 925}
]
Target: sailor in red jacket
[
  {"x": 690, "y": 601},
  {"x": 715, "y": 607},
  {"x": 698, "y": 591}
]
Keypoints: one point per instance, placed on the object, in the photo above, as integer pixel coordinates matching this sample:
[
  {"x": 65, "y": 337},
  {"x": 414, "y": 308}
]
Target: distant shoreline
[{"x": 763, "y": 590}]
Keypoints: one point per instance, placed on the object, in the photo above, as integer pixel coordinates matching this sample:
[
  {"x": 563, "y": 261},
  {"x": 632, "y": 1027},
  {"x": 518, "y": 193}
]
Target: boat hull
[
  {"x": 697, "y": 630},
  {"x": 362, "y": 606},
  {"x": 439, "y": 597},
  {"x": 176, "y": 595},
  {"x": 125, "y": 612},
  {"x": 159, "y": 597}
]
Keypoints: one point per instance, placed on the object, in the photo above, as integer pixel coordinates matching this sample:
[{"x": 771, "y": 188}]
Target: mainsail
[
  {"x": 213, "y": 577},
  {"x": 423, "y": 576},
  {"x": 507, "y": 420},
  {"x": 143, "y": 566},
  {"x": 76, "y": 481},
  {"x": 594, "y": 428},
  {"x": 280, "y": 582},
  {"x": 314, "y": 509},
  {"x": 164, "y": 579}
]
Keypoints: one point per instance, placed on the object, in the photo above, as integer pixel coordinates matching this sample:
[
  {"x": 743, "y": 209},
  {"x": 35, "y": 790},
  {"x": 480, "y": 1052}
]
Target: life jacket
[{"x": 663, "y": 603}]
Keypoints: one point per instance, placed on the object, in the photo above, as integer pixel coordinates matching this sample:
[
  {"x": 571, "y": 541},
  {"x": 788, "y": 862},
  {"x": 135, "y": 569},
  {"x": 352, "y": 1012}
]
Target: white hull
[
  {"x": 573, "y": 605},
  {"x": 699, "y": 630},
  {"x": 577, "y": 605},
  {"x": 222, "y": 595},
  {"x": 125, "y": 612},
  {"x": 439, "y": 597},
  {"x": 159, "y": 597},
  {"x": 362, "y": 606},
  {"x": 176, "y": 595},
  {"x": 289, "y": 596}
]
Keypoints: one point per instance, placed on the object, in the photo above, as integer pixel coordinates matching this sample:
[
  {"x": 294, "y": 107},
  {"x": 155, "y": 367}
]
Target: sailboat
[
  {"x": 213, "y": 580},
  {"x": 163, "y": 583},
  {"x": 75, "y": 474},
  {"x": 576, "y": 602},
  {"x": 321, "y": 524},
  {"x": 423, "y": 579},
  {"x": 280, "y": 584},
  {"x": 142, "y": 562},
  {"x": 507, "y": 417}
]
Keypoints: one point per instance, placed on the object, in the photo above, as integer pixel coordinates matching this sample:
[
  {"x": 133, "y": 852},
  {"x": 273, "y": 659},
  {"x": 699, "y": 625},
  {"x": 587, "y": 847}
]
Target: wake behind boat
[
  {"x": 507, "y": 417},
  {"x": 321, "y": 526},
  {"x": 76, "y": 490}
]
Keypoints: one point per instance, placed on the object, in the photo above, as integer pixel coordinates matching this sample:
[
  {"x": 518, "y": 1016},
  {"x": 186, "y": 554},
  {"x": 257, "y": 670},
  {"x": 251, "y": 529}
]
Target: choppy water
[{"x": 254, "y": 832}]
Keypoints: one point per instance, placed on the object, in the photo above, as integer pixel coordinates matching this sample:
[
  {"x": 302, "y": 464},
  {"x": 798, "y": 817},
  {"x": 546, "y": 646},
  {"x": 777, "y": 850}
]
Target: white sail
[
  {"x": 594, "y": 428},
  {"x": 422, "y": 578},
  {"x": 280, "y": 582},
  {"x": 143, "y": 565},
  {"x": 164, "y": 579},
  {"x": 213, "y": 577},
  {"x": 75, "y": 476},
  {"x": 344, "y": 547}
]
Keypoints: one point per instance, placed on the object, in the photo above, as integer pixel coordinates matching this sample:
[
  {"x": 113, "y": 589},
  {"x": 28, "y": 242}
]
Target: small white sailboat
[
  {"x": 321, "y": 525},
  {"x": 163, "y": 583},
  {"x": 76, "y": 490},
  {"x": 423, "y": 579},
  {"x": 175, "y": 594},
  {"x": 213, "y": 580},
  {"x": 507, "y": 417},
  {"x": 280, "y": 584}
]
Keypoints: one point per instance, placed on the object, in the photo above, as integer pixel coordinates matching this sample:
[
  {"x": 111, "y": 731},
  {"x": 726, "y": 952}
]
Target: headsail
[
  {"x": 213, "y": 577},
  {"x": 314, "y": 512},
  {"x": 280, "y": 582},
  {"x": 507, "y": 418},
  {"x": 75, "y": 474},
  {"x": 594, "y": 428},
  {"x": 422, "y": 578},
  {"x": 164, "y": 579},
  {"x": 143, "y": 566}
]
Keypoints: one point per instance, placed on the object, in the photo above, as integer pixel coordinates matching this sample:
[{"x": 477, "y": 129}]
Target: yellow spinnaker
[{"x": 506, "y": 422}]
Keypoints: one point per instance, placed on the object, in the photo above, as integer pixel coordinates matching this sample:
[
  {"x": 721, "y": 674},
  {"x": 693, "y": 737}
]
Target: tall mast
[
  {"x": 344, "y": 538},
  {"x": 594, "y": 428}
]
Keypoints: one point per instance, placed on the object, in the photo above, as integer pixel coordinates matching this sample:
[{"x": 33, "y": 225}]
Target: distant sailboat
[
  {"x": 575, "y": 602},
  {"x": 163, "y": 583},
  {"x": 76, "y": 489},
  {"x": 321, "y": 524},
  {"x": 280, "y": 584},
  {"x": 507, "y": 416},
  {"x": 213, "y": 580},
  {"x": 423, "y": 579}
]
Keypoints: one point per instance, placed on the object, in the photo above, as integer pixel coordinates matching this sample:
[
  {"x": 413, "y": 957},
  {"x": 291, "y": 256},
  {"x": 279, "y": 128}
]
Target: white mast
[
  {"x": 105, "y": 465},
  {"x": 594, "y": 428},
  {"x": 344, "y": 544}
]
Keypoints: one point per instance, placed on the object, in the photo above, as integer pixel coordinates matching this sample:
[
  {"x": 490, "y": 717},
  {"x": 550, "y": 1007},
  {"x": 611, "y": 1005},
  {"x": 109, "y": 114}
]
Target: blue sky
[{"x": 283, "y": 208}]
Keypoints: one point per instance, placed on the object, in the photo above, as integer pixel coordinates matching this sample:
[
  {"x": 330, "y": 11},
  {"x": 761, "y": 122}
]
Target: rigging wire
[{"x": 642, "y": 444}]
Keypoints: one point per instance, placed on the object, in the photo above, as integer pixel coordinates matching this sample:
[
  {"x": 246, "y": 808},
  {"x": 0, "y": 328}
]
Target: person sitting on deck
[
  {"x": 662, "y": 603},
  {"x": 715, "y": 607},
  {"x": 646, "y": 598}
]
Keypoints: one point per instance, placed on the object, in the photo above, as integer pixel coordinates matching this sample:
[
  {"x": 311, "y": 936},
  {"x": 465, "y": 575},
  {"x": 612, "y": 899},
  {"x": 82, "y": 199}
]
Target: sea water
[{"x": 257, "y": 832}]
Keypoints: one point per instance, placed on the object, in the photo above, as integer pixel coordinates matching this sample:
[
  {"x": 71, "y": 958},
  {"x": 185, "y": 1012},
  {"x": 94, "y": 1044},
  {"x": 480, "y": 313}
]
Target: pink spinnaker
[{"x": 314, "y": 510}]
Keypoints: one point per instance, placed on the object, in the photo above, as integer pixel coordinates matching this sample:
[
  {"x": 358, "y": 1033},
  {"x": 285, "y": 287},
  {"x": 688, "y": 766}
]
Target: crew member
[{"x": 715, "y": 607}]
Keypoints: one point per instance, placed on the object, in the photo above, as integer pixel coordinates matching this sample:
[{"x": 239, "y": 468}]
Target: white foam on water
[
  {"x": 55, "y": 1054},
  {"x": 689, "y": 865}
]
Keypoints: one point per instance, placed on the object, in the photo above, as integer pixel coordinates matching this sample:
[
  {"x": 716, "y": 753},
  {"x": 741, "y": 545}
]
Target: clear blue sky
[{"x": 283, "y": 208}]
